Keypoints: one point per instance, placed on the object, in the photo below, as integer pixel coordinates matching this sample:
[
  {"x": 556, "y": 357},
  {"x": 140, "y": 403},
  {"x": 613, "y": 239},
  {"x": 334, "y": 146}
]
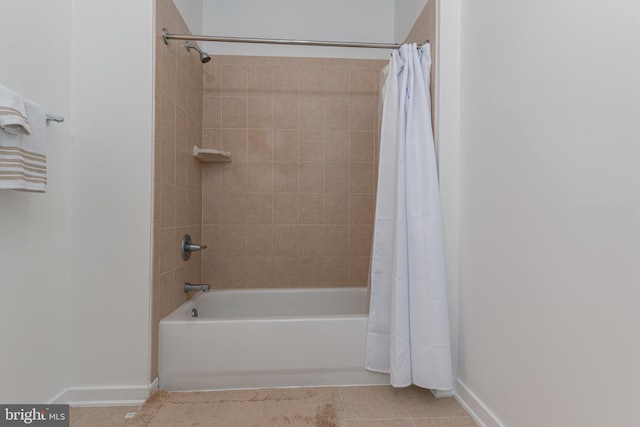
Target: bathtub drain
[{"x": 194, "y": 313}]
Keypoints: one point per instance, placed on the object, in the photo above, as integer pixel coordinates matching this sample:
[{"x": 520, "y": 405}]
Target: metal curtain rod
[{"x": 167, "y": 36}]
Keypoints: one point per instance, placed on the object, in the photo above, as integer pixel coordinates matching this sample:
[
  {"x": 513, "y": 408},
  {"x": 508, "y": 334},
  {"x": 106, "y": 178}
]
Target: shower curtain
[{"x": 408, "y": 328}]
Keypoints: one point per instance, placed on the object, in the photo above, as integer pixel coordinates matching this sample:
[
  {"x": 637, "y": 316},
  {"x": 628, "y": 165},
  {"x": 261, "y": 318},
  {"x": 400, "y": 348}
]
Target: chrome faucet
[
  {"x": 188, "y": 287},
  {"x": 187, "y": 246}
]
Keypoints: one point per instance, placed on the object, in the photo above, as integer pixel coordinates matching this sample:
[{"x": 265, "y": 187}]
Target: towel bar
[{"x": 52, "y": 118}]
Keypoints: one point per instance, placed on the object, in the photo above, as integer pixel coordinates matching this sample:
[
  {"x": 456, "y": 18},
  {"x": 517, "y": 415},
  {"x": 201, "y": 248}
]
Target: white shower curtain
[{"x": 408, "y": 329}]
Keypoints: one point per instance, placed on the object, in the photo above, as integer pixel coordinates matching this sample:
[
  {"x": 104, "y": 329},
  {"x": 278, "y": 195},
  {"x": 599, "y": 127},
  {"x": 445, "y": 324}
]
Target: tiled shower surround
[
  {"x": 295, "y": 206},
  {"x": 177, "y": 175}
]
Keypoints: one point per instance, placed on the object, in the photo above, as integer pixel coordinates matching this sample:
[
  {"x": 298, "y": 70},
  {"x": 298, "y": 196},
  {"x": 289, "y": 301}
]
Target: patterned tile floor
[{"x": 362, "y": 406}]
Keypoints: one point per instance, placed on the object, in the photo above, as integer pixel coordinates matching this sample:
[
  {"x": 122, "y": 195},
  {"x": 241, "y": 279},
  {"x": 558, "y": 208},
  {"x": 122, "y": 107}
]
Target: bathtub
[{"x": 266, "y": 338}]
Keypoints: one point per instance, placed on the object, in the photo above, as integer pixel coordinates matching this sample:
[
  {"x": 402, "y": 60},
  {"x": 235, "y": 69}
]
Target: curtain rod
[{"x": 167, "y": 36}]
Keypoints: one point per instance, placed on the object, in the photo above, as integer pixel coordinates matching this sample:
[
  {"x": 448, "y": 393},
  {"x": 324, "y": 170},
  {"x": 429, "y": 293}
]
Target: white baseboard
[
  {"x": 128, "y": 395},
  {"x": 474, "y": 406},
  {"x": 154, "y": 385}
]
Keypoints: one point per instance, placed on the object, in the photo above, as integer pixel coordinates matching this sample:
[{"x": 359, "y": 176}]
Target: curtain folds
[{"x": 408, "y": 329}]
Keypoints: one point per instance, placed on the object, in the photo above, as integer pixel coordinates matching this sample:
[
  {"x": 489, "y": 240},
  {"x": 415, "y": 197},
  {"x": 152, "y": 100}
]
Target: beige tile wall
[
  {"x": 295, "y": 206},
  {"x": 177, "y": 175}
]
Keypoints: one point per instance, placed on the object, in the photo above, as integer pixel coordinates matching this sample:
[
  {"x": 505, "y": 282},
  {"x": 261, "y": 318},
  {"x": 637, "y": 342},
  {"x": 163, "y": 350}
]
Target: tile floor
[
  {"x": 367, "y": 406},
  {"x": 100, "y": 416}
]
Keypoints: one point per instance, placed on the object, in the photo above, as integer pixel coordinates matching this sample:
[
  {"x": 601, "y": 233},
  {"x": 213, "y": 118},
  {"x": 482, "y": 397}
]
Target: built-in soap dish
[{"x": 209, "y": 155}]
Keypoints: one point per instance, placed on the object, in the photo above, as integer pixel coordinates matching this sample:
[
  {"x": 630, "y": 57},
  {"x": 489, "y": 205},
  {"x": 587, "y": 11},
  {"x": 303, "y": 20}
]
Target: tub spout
[{"x": 188, "y": 287}]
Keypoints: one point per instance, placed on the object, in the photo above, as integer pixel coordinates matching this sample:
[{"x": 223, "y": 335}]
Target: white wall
[
  {"x": 405, "y": 14},
  {"x": 112, "y": 116},
  {"x": 35, "y": 228},
  {"x": 447, "y": 116},
  {"x": 355, "y": 20},
  {"x": 386, "y": 21},
  {"x": 191, "y": 11},
  {"x": 550, "y": 211},
  {"x": 75, "y": 261}
]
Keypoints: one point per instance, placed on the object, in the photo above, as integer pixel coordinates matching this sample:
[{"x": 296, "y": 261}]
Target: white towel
[
  {"x": 23, "y": 160},
  {"x": 13, "y": 116}
]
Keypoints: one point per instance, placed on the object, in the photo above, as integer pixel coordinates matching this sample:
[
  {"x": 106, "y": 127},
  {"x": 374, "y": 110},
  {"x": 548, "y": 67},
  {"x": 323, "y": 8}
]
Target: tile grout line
[
  {"x": 344, "y": 414},
  {"x": 460, "y": 417},
  {"x": 395, "y": 419},
  {"x": 404, "y": 408}
]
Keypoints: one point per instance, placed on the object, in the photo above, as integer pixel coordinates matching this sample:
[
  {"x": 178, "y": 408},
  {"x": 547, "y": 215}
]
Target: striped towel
[
  {"x": 23, "y": 160},
  {"x": 13, "y": 117}
]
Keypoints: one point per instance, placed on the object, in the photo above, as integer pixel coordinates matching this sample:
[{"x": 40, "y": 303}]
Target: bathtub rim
[{"x": 182, "y": 312}]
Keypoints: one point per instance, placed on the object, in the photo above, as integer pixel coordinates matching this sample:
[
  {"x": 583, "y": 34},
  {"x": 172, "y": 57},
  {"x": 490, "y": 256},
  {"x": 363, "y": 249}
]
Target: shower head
[{"x": 204, "y": 56}]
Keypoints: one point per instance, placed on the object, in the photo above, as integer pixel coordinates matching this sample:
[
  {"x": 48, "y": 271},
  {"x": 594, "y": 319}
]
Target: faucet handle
[
  {"x": 186, "y": 247},
  {"x": 193, "y": 247}
]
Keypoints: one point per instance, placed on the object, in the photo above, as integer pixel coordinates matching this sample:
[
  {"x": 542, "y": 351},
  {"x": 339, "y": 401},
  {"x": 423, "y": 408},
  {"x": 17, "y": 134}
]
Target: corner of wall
[
  {"x": 474, "y": 406},
  {"x": 405, "y": 14},
  {"x": 177, "y": 175},
  {"x": 447, "y": 135}
]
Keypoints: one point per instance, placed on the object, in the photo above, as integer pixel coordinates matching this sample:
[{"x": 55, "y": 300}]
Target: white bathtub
[{"x": 266, "y": 338}]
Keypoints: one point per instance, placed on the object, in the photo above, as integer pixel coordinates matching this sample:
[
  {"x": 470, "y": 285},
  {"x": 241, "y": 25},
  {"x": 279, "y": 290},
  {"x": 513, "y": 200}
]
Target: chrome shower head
[{"x": 204, "y": 56}]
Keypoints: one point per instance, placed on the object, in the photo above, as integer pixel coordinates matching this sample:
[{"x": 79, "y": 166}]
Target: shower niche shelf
[{"x": 210, "y": 155}]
